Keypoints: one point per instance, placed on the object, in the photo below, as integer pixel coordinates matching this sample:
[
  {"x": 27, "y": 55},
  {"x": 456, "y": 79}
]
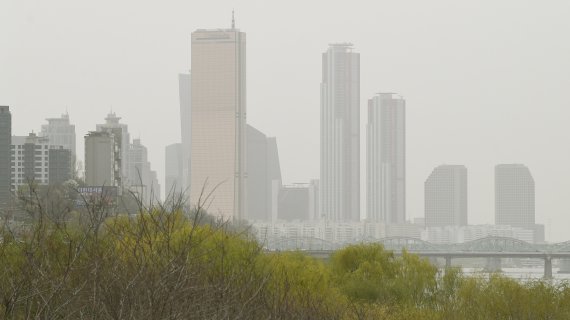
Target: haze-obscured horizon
[{"x": 485, "y": 82}]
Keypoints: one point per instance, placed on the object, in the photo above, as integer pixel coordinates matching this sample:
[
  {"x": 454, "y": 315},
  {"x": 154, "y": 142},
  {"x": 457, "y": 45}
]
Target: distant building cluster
[
  {"x": 49, "y": 159},
  {"x": 232, "y": 170},
  {"x": 220, "y": 151}
]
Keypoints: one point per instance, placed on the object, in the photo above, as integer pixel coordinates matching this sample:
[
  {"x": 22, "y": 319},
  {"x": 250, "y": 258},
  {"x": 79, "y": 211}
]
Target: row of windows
[
  {"x": 37, "y": 152},
  {"x": 21, "y": 146},
  {"x": 37, "y": 175},
  {"x": 36, "y": 164}
]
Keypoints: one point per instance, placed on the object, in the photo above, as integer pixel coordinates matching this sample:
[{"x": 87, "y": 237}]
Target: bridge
[{"x": 493, "y": 248}]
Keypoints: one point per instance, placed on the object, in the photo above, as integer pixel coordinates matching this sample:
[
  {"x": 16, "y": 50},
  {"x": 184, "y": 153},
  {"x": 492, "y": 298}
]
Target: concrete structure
[
  {"x": 143, "y": 180},
  {"x": 340, "y": 134},
  {"x": 386, "y": 159},
  {"x": 514, "y": 196},
  {"x": 263, "y": 176},
  {"x": 59, "y": 164},
  {"x": 184, "y": 86},
  {"x": 120, "y": 132},
  {"x": 299, "y": 202},
  {"x": 100, "y": 160},
  {"x": 174, "y": 171},
  {"x": 60, "y": 132},
  {"x": 445, "y": 196},
  {"x": 334, "y": 232},
  {"x": 461, "y": 234},
  {"x": 218, "y": 121},
  {"x": 31, "y": 160},
  {"x": 492, "y": 248},
  {"x": 37, "y": 160},
  {"x": 5, "y": 155}
]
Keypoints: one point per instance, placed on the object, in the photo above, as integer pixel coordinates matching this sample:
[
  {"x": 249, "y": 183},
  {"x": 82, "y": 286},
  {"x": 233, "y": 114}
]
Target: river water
[{"x": 522, "y": 273}]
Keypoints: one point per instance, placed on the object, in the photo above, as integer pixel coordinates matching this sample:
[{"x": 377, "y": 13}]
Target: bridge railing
[{"x": 487, "y": 244}]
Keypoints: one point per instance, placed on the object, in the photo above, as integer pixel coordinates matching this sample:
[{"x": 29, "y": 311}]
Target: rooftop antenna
[{"x": 233, "y": 20}]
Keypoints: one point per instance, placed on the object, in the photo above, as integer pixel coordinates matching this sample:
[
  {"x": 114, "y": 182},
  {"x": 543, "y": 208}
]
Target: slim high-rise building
[
  {"x": 184, "y": 85},
  {"x": 174, "y": 170},
  {"x": 446, "y": 196},
  {"x": 120, "y": 132},
  {"x": 514, "y": 196},
  {"x": 386, "y": 159},
  {"x": 340, "y": 134},
  {"x": 218, "y": 120},
  {"x": 5, "y": 160}
]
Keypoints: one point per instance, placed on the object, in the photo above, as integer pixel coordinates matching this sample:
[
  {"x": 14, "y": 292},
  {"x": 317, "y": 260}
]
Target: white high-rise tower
[
  {"x": 340, "y": 134},
  {"x": 386, "y": 159}
]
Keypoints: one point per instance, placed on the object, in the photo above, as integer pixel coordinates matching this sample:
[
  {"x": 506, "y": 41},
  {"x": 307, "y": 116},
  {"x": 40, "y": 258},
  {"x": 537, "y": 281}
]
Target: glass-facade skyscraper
[{"x": 218, "y": 121}]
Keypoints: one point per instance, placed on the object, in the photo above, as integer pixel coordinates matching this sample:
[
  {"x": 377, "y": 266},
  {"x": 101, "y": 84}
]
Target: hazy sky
[{"x": 486, "y": 82}]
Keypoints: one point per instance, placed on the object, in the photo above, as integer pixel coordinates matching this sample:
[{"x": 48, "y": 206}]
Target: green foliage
[
  {"x": 371, "y": 274},
  {"x": 161, "y": 264}
]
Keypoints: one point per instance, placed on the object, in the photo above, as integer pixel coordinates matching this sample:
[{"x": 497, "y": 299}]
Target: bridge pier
[
  {"x": 447, "y": 262},
  {"x": 493, "y": 265},
  {"x": 548, "y": 268}
]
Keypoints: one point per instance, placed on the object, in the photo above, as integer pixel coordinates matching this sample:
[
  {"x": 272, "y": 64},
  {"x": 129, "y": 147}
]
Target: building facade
[
  {"x": 60, "y": 164},
  {"x": 386, "y": 159},
  {"x": 143, "y": 180},
  {"x": 218, "y": 121},
  {"x": 298, "y": 202},
  {"x": 173, "y": 170},
  {"x": 100, "y": 159},
  {"x": 445, "y": 196},
  {"x": 31, "y": 160},
  {"x": 6, "y": 158},
  {"x": 185, "y": 96},
  {"x": 122, "y": 137},
  {"x": 60, "y": 132},
  {"x": 340, "y": 134},
  {"x": 514, "y": 196},
  {"x": 38, "y": 161},
  {"x": 263, "y": 176}
]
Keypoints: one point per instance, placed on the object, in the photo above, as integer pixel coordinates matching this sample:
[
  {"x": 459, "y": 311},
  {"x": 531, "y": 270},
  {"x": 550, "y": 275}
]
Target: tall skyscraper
[
  {"x": 60, "y": 132},
  {"x": 446, "y": 196},
  {"x": 120, "y": 132},
  {"x": 100, "y": 164},
  {"x": 218, "y": 124},
  {"x": 340, "y": 134},
  {"x": 174, "y": 170},
  {"x": 514, "y": 196},
  {"x": 5, "y": 161},
  {"x": 386, "y": 159},
  {"x": 184, "y": 86}
]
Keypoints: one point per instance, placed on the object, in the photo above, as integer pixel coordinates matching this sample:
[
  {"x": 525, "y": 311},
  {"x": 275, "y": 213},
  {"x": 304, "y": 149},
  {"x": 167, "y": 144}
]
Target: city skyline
[{"x": 499, "y": 130}]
